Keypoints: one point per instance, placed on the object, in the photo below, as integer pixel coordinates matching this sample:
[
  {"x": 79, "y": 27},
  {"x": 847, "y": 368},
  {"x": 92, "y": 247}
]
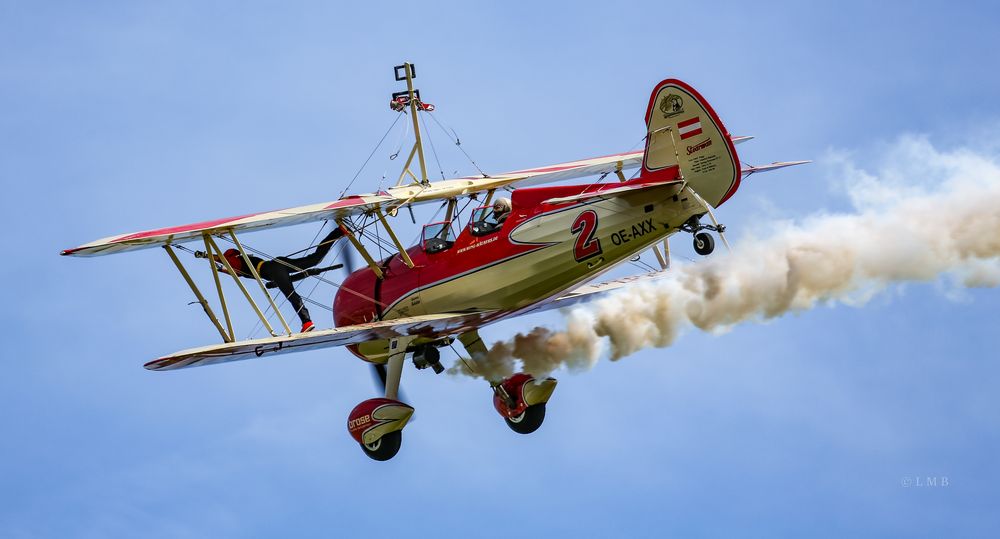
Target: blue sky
[{"x": 122, "y": 116}]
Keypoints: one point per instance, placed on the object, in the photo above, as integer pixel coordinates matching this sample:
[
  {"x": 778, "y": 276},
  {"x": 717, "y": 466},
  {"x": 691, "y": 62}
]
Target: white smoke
[{"x": 925, "y": 214}]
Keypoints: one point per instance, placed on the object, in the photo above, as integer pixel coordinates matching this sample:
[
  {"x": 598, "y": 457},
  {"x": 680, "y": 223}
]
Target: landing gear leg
[
  {"x": 704, "y": 244},
  {"x": 520, "y": 399},
  {"x": 394, "y": 367},
  {"x": 377, "y": 424}
]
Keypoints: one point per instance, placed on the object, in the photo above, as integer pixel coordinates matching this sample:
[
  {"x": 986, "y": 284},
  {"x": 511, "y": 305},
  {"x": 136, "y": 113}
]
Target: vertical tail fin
[{"x": 683, "y": 130}]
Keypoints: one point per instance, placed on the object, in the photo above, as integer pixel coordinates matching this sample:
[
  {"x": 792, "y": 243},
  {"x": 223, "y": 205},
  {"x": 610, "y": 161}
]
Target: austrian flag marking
[{"x": 689, "y": 128}]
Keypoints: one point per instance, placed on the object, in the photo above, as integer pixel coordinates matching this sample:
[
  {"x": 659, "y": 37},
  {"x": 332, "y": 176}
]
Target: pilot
[
  {"x": 279, "y": 271},
  {"x": 501, "y": 210},
  {"x": 492, "y": 219}
]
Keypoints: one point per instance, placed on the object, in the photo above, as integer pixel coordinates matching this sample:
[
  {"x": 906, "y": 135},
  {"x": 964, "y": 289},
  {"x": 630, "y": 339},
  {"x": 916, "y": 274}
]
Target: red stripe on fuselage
[{"x": 468, "y": 255}]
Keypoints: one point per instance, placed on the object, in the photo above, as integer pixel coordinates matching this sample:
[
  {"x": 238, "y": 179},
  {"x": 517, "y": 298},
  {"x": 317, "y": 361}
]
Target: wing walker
[{"x": 525, "y": 246}]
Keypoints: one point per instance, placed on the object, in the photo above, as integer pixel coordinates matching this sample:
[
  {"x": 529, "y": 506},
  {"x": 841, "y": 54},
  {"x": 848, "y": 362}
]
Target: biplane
[{"x": 538, "y": 250}]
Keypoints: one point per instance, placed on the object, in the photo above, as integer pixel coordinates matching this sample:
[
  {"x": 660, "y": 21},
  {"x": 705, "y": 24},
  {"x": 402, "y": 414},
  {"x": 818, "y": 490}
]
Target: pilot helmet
[
  {"x": 234, "y": 258},
  {"x": 501, "y": 205}
]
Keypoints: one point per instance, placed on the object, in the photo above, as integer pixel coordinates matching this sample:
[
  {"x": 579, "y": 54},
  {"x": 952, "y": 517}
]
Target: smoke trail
[{"x": 926, "y": 214}]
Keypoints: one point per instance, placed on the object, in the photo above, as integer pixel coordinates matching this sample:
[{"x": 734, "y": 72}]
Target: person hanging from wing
[{"x": 282, "y": 271}]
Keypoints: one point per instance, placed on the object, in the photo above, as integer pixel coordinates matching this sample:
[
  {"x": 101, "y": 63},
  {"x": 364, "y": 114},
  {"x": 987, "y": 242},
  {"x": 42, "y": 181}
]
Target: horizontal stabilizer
[
  {"x": 608, "y": 189},
  {"x": 750, "y": 169}
]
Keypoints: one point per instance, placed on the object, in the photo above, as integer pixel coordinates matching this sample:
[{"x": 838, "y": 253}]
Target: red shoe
[{"x": 307, "y": 327}]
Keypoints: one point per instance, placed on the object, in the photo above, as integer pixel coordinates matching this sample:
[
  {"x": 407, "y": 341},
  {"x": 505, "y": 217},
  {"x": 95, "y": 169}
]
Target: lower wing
[{"x": 432, "y": 327}]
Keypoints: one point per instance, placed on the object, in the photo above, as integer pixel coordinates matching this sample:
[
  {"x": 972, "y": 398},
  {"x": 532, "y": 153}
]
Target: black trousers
[{"x": 280, "y": 274}]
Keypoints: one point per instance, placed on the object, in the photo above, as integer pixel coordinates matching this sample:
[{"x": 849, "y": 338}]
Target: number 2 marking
[{"x": 587, "y": 246}]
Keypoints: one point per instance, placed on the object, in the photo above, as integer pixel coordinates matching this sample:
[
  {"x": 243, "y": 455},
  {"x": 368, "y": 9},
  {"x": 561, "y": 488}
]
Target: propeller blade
[
  {"x": 379, "y": 375},
  {"x": 349, "y": 260}
]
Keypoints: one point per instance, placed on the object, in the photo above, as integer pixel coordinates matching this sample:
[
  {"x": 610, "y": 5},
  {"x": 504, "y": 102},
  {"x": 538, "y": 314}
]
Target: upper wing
[
  {"x": 385, "y": 201},
  {"x": 430, "y": 326},
  {"x": 254, "y": 221}
]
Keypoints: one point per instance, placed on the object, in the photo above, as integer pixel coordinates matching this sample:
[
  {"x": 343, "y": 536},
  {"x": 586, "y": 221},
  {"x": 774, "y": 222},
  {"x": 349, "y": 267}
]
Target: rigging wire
[
  {"x": 433, "y": 150},
  {"x": 377, "y": 146},
  {"x": 402, "y": 135},
  {"x": 605, "y": 174},
  {"x": 420, "y": 233},
  {"x": 394, "y": 154},
  {"x": 641, "y": 264},
  {"x": 461, "y": 211},
  {"x": 378, "y": 240},
  {"x": 383, "y": 245},
  {"x": 461, "y": 357},
  {"x": 458, "y": 143},
  {"x": 262, "y": 254},
  {"x": 269, "y": 257},
  {"x": 268, "y": 314},
  {"x": 365, "y": 233}
]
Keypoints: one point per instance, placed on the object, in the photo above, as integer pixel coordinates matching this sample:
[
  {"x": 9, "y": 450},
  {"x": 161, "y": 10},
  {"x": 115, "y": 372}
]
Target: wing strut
[
  {"x": 256, "y": 276},
  {"x": 246, "y": 293},
  {"x": 664, "y": 261},
  {"x": 361, "y": 248},
  {"x": 618, "y": 171},
  {"x": 197, "y": 293},
  {"x": 399, "y": 246},
  {"x": 218, "y": 287}
]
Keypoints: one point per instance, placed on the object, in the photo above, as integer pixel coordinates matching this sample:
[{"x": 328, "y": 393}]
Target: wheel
[
  {"x": 385, "y": 447},
  {"x": 529, "y": 420},
  {"x": 704, "y": 243}
]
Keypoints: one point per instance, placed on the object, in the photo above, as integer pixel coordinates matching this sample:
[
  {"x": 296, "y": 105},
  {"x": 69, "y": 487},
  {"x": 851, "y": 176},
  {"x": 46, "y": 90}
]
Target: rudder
[{"x": 684, "y": 130}]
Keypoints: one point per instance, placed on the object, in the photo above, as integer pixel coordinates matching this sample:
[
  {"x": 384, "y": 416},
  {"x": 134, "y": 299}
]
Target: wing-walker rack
[
  {"x": 410, "y": 98},
  {"x": 214, "y": 254}
]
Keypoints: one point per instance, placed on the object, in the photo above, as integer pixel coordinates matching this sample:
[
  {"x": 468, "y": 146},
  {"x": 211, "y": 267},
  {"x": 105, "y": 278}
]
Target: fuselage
[{"x": 541, "y": 250}]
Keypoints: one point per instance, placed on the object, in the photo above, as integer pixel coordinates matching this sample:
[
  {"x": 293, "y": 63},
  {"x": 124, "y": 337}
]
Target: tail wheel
[
  {"x": 704, "y": 243},
  {"x": 529, "y": 420},
  {"x": 385, "y": 447}
]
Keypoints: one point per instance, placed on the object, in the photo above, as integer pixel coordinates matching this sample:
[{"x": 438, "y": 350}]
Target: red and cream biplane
[{"x": 536, "y": 252}]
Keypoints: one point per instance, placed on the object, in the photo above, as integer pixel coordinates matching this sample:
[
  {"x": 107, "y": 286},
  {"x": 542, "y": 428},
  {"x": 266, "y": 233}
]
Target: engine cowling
[{"x": 362, "y": 298}]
